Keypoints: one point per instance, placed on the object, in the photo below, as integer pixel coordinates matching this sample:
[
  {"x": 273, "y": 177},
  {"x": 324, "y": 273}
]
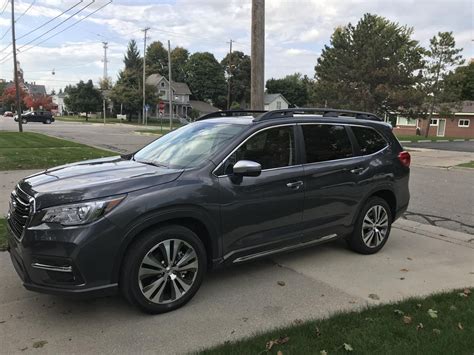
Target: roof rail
[
  {"x": 229, "y": 113},
  {"x": 325, "y": 112}
]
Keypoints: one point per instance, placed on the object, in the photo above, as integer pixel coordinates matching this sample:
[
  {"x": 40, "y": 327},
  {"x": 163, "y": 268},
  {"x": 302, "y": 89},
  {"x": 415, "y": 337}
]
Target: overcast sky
[{"x": 296, "y": 31}]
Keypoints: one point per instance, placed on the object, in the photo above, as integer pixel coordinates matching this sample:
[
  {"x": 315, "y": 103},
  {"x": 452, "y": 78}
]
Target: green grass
[
  {"x": 29, "y": 150},
  {"x": 3, "y": 234},
  {"x": 422, "y": 138},
  {"x": 467, "y": 165},
  {"x": 376, "y": 330}
]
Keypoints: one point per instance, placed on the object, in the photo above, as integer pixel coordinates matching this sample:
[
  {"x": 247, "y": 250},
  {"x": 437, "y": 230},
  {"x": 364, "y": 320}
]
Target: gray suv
[{"x": 232, "y": 187}]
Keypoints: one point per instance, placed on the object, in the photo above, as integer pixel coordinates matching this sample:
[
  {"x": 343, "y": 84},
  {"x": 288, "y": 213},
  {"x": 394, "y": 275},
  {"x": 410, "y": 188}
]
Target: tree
[
  {"x": 132, "y": 59},
  {"x": 442, "y": 55},
  {"x": 8, "y": 98},
  {"x": 83, "y": 97},
  {"x": 460, "y": 83},
  {"x": 157, "y": 59},
  {"x": 293, "y": 87},
  {"x": 206, "y": 78},
  {"x": 240, "y": 79},
  {"x": 38, "y": 102},
  {"x": 371, "y": 66},
  {"x": 179, "y": 59}
]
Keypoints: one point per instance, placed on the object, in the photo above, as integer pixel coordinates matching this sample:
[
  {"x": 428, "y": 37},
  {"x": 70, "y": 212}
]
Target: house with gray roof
[{"x": 180, "y": 92}]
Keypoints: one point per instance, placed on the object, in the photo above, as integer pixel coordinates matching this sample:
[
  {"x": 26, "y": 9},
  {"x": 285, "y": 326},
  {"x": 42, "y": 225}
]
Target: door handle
[
  {"x": 294, "y": 185},
  {"x": 357, "y": 170}
]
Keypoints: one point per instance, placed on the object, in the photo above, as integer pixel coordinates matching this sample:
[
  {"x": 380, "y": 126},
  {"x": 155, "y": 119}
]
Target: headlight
[{"x": 80, "y": 213}]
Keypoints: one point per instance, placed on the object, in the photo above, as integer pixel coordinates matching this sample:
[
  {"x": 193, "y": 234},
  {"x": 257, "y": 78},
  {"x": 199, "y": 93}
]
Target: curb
[
  {"x": 439, "y": 140},
  {"x": 447, "y": 235}
]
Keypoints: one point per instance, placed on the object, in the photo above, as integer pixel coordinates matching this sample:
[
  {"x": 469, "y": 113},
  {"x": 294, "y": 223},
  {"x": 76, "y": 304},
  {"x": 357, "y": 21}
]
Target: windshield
[{"x": 189, "y": 146}]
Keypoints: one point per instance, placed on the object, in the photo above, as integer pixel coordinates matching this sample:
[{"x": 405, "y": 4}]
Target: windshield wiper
[{"x": 150, "y": 162}]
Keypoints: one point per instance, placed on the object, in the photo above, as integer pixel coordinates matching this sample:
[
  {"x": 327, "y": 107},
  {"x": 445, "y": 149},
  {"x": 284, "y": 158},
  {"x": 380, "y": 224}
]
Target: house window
[
  {"x": 278, "y": 105},
  {"x": 162, "y": 84},
  {"x": 434, "y": 122},
  {"x": 405, "y": 121},
  {"x": 464, "y": 123}
]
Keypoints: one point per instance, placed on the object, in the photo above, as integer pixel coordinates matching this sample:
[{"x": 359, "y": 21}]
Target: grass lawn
[
  {"x": 422, "y": 138},
  {"x": 438, "y": 324},
  {"x": 467, "y": 165},
  {"x": 3, "y": 234},
  {"x": 29, "y": 150}
]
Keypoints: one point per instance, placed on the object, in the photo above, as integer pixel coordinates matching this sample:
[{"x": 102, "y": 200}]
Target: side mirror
[{"x": 247, "y": 168}]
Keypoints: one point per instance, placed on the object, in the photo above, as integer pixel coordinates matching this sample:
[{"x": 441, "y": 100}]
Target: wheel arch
[
  {"x": 386, "y": 193},
  {"x": 190, "y": 217}
]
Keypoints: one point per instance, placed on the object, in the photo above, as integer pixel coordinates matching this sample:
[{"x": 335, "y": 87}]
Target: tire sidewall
[
  {"x": 356, "y": 241},
  {"x": 130, "y": 284}
]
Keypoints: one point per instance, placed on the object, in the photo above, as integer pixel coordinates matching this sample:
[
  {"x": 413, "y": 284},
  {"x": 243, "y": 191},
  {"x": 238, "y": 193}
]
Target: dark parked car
[
  {"x": 36, "y": 116},
  {"x": 222, "y": 190}
]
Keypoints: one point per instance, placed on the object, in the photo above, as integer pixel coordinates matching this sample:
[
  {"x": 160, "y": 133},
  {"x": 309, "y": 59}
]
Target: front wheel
[
  {"x": 163, "y": 269},
  {"x": 47, "y": 121},
  {"x": 24, "y": 121},
  {"x": 372, "y": 228}
]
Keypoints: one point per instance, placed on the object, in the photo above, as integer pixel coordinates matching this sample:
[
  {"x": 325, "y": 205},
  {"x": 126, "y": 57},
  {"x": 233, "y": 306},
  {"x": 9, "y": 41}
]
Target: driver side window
[{"x": 271, "y": 148}]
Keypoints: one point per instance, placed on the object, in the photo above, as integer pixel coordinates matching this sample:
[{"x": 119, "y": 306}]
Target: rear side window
[
  {"x": 370, "y": 141},
  {"x": 326, "y": 142}
]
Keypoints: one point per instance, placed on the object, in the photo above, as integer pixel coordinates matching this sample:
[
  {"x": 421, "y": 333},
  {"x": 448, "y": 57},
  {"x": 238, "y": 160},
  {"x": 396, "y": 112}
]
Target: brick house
[{"x": 459, "y": 126}]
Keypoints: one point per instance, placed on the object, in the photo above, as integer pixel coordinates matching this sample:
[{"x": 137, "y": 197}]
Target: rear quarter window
[{"x": 369, "y": 140}]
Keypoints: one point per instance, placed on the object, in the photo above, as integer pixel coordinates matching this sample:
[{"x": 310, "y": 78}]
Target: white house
[
  {"x": 58, "y": 101},
  {"x": 275, "y": 102},
  {"x": 180, "y": 91}
]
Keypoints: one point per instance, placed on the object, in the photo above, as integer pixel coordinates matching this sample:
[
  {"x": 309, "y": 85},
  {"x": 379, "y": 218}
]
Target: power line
[
  {"x": 24, "y": 12},
  {"x": 49, "y": 21},
  {"x": 59, "y": 24},
  {"x": 2, "y": 60},
  {"x": 4, "y": 7}
]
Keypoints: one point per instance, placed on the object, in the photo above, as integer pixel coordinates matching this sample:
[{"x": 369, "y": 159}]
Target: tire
[
  {"x": 48, "y": 121},
  {"x": 24, "y": 121},
  {"x": 155, "y": 291},
  {"x": 361, "y": 240}
]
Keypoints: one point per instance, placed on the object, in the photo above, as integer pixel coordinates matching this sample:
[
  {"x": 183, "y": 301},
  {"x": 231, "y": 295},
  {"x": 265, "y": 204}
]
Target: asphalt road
[
  {"x": 440, "y": 197},
  {"x": 466, "y": 146}
]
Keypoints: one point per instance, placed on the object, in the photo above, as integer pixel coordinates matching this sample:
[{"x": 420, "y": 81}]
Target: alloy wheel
[
  {"x": 375, "y": 226},
  {"x": 168, "y": 271}
]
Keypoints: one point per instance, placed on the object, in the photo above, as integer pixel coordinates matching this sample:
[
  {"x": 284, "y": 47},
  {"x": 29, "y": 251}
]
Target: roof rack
[
  {"x": 325, "y": 112},
  {"x": 229, "y": 113}
]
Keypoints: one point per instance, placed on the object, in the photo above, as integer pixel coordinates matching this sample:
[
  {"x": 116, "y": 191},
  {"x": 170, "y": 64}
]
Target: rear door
[
  {"x": 331, "y": 190},
  {"x": 263, "y": 212}
]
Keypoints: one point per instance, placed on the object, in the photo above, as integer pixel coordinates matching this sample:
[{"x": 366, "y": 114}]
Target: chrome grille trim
[{"x": 20, "y": 211}]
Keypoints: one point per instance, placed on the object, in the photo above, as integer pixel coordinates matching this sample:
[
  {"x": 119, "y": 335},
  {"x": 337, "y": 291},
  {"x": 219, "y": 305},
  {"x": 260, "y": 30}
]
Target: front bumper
[{"x": 67, "y": 261}]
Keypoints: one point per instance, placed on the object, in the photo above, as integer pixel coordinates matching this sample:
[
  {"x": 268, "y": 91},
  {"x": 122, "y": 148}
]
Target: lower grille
[{"x": 19, "y": 213}]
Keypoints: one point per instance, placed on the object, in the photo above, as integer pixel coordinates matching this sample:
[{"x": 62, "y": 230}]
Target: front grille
[{"x": 19, "y": 212}]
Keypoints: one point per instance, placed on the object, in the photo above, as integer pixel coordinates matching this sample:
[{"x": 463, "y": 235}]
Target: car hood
[{"x": 94, "y": 179}]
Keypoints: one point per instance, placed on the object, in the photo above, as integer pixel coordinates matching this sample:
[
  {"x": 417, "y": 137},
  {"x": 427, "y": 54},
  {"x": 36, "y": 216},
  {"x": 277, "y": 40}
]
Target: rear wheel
[
  {"x": 24, "y": 121},
  {"x": 47, "y": 121},
  {"x": 163, "y": 269},
  {"x": 372, "y": 228}
]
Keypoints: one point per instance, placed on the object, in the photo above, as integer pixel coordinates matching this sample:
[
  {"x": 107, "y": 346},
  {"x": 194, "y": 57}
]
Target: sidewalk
[
  {"x": 239, "y": 301},
  {"x": 8, "y": 180},
  {"x": 438, "y": 158}
]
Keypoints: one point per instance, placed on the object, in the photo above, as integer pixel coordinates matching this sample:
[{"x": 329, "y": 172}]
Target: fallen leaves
[
  {"x": 419, "y": 326},
  {"x": 460, "y": 327},
  {"x": 374, "y": 296},
  {"x": 39, "y": 344},
  {"x": 432, "y": 313},
  {"x": 453, "y": 308},
  {"x": 317, "y": 332},
  {"x": 436, "y": 331},
  {"x": 407, "y": 319},
  {"x": 279, "y": 341},
  {"x": 281, "y": 283},
  {"x": 323, "y": 352},
  {"x": 279, "y": 352},
  {"x": 404, "y": 270},
  {"x": 398, "y": 312}
]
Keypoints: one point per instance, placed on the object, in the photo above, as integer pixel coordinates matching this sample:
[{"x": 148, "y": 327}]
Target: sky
[{"x": 295, "y": 31}]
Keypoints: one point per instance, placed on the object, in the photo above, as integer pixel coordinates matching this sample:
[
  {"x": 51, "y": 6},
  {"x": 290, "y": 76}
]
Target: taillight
[{"x": 404, "y": 158}]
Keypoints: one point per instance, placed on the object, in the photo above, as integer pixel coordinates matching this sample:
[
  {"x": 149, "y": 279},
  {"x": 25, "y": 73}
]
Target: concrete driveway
[{"x": 240, "y": 301}]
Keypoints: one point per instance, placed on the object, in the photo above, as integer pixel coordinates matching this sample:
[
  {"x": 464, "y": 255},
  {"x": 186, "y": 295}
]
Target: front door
[
  {"x": 263, "y": 212},
  {"x": 441, "y": 128}
]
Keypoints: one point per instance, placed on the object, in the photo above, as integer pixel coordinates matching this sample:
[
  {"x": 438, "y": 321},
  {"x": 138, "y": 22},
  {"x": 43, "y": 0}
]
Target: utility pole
[
  {"x": 145, "y": 30},
  {"x": 170, "y": 90},
  {"x": 15, "y": 71},
  {"x": 105, "y": 79},
  {"x": 257, "y": 55},
  {"x": 230, "y": 74}
]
